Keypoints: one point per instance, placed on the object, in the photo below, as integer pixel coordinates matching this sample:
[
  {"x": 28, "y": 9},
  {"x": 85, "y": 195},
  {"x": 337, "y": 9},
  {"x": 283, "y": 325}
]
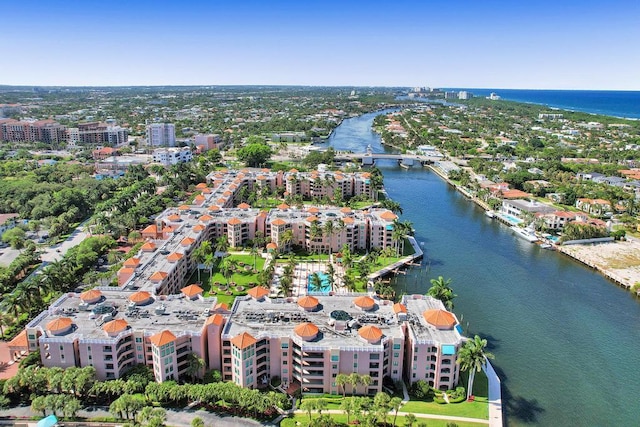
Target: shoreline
[{"x": 577, "y": 253}]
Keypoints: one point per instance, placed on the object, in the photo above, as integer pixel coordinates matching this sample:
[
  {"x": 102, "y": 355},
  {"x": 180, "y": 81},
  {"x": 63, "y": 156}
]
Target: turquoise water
[
  {"x": 326, "y": 286},
  {"x": 566, "y": 340},
  {"x": 512, "y": 219}
]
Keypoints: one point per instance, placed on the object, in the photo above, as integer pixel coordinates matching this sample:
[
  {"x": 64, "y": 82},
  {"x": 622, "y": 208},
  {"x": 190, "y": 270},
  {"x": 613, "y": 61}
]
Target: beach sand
[{"x": 618, "y": 260}]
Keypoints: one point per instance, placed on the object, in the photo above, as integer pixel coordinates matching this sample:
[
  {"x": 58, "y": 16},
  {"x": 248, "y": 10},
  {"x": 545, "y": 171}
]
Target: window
[
  {"x": 138, "y": 339},
  {"x": 285, "y": 354},
  {"x": 335, "y": 358},
  {"x": 355, "y": 356},
  {"x": 374, "y": 356},
  {"x": 284, "y": 345},
  {"x": 396, "y": 346},
  {"x": 355, "y": 365},
  {"x": 396, "y": 354}
]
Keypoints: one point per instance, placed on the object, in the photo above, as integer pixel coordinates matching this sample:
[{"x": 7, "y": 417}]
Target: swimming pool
[
  {"x": 512, "y": 219},
  {"x": 324, "y": 279}
]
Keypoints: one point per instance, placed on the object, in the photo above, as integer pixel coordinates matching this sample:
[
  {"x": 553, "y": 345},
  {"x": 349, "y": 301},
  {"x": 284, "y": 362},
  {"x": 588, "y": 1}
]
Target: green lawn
[
  {"x": 479, "y": 408},
  {"x": 303, "y": 419},
  {"x": 243, "y": 279}
]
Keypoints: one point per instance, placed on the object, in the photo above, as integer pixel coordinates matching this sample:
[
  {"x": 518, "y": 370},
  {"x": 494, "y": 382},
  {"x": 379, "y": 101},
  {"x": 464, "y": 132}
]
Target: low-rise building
[{"x": 172, "y": 156}]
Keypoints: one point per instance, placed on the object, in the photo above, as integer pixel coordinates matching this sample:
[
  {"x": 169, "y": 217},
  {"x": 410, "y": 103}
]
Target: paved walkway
[
  {"x": 174, "y": 418},
  {"x": 401, "y": 414},
  {"x": 495, "y": 396}
]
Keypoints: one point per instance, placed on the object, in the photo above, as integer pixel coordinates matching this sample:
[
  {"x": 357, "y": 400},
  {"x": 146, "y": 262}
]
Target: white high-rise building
[{"x": 161, "y": 135}]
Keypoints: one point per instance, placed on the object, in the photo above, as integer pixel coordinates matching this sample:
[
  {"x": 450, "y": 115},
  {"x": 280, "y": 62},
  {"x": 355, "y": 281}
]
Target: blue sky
[{"x": 484, "y": 44}]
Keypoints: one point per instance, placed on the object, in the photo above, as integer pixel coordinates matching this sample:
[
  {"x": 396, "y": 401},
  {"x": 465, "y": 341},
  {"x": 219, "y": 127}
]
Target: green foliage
[
  {"x": 580, "y": 231},
  {"x": 314, "y": 158},
  {"x": 254, "y": 154}
]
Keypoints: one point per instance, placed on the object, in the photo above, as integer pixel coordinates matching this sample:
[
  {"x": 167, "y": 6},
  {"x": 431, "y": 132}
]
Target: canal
[{"x": 566, "y": 340}]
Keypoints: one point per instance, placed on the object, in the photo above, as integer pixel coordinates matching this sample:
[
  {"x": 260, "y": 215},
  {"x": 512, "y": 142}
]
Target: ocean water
[{"x": 608, "y": 102}]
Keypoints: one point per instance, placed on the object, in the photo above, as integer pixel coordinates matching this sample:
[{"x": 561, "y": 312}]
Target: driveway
[{"x": 56, "y": 252}]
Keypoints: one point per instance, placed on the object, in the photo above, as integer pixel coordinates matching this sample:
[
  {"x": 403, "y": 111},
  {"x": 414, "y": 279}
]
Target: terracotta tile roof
[
  {"x": 258, "y": 292},
  {"x": 91, "y": 295},
  {"x": 346, "y": 210},
  {"x": 244, "y": 206},
  {"x": 162, "y": 338},
  {"x": 20, "y": 340},
  {"x": 192, "y": 291},
  {"x": 388, "y": 216},
  {"x": 306, "y": 331},
  {"x": 206, "y": 217},
  {"x": 221, "y": 306},
  {"x": 439, "y": 318},
  {"x": 187, "y": 241},
  {"x": 348, "y": 220},
  {"x": 234, "y": 221},
  {"x": 283, "y": 206},
  {"x": 272, "y": 245},
  {"x": 313, "y": 210},
  {"x": 175, "y": 256},
  {"x": 115, "y": 326},
  {"x": 158, "y": 276},
  {"x": 514, "y": 194},
  {"x": 278, "y": 222},
  {"x": 213, "y": 208},
  {"x": 168, "y": 229},
  {"x": 201, "y": 186},
  {"x": 308, "y": 302},
  {"x": 126, "y": 270},
  {"x": 312, "y": 218},
  {"x": 148, "y": 247},
  {"x": 243, "y": 340},
  {"x": 198, "y": 228},
  {"x": 216, "y": 319},
  {"x": 399, "y": 308},
  {"x": 140, "y": 297},
  {"x": 365, "y": 302},
  {"x": 370, "y": 333},
  {"x": 174, "y": 218},
  {"x": 60, "y": 324},
  {"x": 150, "y": 229},
  {"x": 184, "y": 208}
]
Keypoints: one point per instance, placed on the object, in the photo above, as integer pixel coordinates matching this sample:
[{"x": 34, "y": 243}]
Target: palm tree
[
  {"x": 201, "y": 253},
  {"x": 286, "y": 238},
  {"x": 331, "y": 273},
  {"x": 315, "y": 282},
  {"x": 394, "y": 404},
  {"x": 441, "y": 290},
  {"x": 398, "y": 235},
  {"x": 254, "y": 251},
  {"x": 341, "y": 381},
  {"x": 329, "y": 230},
  {"x": 472, "y": 358},
  {"x": 409, "y": 420},
  {"x": 354, "y": 380},
  {"x": 314, "y": 232},
  {"x": 365, "y": 380},
  {"x": 222, "y": 244}
]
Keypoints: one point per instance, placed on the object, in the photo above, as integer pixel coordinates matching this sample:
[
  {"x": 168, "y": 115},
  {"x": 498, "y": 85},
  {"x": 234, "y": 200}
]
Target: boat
[
  {"x": 490, "y": 214},
  {"x": 525, "y": 233},
  {"x": 547, "y": 246}
]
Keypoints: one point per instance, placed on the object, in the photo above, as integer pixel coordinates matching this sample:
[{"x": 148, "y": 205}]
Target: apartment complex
[
  {"x": 152, "y": 318},
  {"x": 161, "y": 135},
  {"x": 98, "y": 133},
  {"x": 47, "y": 131}
]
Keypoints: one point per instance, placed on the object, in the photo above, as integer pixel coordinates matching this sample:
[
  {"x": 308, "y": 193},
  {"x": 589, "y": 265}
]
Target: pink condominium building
[{"x": 152, "y": 318}]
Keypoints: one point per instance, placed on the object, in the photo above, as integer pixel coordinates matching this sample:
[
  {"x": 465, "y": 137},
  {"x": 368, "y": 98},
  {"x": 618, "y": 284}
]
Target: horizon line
[{"x": 306, "y": 86}]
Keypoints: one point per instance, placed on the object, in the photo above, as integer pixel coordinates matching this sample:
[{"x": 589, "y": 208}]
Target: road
[{"x": 51, "y": 253}]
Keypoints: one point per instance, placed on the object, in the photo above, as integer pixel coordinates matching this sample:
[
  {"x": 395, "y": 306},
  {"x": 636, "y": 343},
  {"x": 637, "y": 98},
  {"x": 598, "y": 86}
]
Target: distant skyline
[{"x": 489, "y": 44}]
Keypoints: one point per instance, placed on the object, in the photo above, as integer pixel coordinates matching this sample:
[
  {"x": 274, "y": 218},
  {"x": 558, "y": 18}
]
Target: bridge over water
[{"x": 369, "y": 158}]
